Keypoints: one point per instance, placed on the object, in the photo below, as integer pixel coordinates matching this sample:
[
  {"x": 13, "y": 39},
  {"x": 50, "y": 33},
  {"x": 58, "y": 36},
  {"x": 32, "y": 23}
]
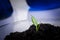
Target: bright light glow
[{"x": 20, "y": 15}]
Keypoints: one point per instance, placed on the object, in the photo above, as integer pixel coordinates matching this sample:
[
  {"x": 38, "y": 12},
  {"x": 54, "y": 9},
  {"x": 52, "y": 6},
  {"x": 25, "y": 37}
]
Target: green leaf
[{"x": 34, "y": 21}]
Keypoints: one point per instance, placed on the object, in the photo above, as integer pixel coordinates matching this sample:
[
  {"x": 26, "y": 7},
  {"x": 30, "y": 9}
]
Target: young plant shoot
[{"x": 34, "y": 21}]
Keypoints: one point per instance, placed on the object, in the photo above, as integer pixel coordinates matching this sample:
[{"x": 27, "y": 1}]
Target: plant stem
[{"x": 36, "y": 28}]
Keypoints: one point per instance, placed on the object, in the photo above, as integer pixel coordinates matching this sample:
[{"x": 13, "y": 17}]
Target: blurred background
[{"x": 15, "y": 15}]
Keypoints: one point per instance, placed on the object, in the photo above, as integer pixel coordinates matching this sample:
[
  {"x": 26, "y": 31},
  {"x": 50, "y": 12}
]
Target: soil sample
[{"x": 45, "y": 32}]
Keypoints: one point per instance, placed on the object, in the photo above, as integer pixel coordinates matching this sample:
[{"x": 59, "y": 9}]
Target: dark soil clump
[{"x": 46, "y": 32}]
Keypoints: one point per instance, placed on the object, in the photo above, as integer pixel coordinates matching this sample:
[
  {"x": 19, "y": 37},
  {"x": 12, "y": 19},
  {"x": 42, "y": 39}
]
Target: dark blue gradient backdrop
[
  {"x": 43, "y": 4},
  {"x": 5, "y": 9}
]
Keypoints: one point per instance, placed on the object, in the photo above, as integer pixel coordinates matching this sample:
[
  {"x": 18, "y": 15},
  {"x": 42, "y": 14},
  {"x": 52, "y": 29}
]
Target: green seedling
[{"x": 34, "y": 21}]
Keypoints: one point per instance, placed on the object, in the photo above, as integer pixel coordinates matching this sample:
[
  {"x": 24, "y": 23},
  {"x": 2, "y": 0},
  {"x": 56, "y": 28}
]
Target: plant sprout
[{"x": 34, "y": 21}]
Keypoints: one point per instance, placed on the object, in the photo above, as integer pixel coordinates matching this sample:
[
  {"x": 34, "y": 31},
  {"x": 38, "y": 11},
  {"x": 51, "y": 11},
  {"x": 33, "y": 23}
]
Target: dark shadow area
[
  {"x": 3, "y": 25},
  {"x": 43, "y": 4},
  {"x": 5, "y": 9}
]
